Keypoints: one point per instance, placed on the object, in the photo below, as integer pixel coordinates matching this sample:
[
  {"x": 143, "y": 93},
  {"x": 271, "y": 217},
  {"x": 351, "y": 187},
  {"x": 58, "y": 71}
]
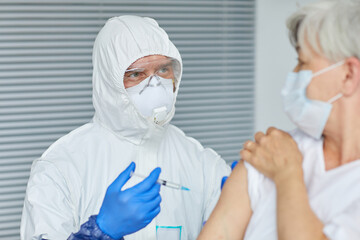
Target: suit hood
[{"x": 121, "y": 42}]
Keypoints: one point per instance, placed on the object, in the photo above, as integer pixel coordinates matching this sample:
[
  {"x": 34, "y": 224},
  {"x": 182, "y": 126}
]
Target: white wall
[{"x": 275, "y": 57}]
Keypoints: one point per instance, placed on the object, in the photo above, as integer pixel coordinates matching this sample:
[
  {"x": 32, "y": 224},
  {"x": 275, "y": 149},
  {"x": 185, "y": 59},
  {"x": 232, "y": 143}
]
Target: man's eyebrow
[
  {"x": 165, "y": 64},
  {"x": 134, "y": 70}
]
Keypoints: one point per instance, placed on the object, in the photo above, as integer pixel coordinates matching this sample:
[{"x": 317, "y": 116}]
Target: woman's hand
[{"x": 274, "y": 154}]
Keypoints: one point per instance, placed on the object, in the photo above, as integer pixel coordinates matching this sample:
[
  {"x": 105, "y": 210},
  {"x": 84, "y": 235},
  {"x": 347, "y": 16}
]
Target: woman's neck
[{"x": 342, "y": 140}]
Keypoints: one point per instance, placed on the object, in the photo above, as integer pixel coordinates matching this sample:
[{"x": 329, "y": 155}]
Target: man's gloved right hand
[{"x": 125, "y": 212}]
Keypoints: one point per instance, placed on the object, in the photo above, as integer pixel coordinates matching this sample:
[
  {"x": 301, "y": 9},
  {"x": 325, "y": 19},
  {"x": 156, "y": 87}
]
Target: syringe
[{"x": 163, "y": 182}]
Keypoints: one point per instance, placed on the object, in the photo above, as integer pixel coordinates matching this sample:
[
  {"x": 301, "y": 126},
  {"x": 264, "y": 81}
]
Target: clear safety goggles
[{"x": 152, "y": 66}]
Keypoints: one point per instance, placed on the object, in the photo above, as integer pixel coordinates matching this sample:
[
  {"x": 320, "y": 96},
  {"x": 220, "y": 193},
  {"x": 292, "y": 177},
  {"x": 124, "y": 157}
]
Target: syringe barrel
[{"x": 169, "y": 184}]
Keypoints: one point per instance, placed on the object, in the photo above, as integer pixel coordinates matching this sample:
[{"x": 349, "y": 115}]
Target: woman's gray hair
[{"x": 330, "y": 27}]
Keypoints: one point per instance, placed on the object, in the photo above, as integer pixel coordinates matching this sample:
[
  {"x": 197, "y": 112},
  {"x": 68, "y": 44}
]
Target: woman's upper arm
[{"x": 233, "y": 210}]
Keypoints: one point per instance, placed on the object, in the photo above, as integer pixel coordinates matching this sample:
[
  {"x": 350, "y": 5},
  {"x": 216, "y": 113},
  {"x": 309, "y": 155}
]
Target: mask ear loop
[
  {"x": 329, "y": 68},
  {"x": 339, "y": 95},
  {"x": 333, "y": 99}
]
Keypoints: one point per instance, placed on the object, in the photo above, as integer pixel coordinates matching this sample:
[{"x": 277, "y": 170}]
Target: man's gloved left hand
[{"x": 225, "y": 178}]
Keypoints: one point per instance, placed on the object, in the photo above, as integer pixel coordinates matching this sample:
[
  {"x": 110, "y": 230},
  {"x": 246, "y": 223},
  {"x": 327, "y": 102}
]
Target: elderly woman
[{"x": 306, "y": 184}]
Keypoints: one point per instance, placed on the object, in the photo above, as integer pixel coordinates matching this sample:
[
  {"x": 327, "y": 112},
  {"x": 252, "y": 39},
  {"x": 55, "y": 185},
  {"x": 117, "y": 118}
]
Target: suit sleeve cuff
[{"x": 90, "y": 230}]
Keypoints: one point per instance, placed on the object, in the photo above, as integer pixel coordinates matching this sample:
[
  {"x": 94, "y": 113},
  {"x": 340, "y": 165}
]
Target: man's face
[{"x": 145, "y": 67}]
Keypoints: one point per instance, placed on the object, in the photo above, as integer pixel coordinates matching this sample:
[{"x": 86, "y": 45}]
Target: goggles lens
[{"x": 164, "y": 68}]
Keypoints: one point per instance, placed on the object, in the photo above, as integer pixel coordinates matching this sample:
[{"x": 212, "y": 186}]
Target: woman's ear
[{"x": 351, "y": 82}]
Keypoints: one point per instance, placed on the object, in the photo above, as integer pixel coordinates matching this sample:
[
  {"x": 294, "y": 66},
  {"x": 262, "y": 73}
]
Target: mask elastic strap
[
  {"x": 158, "y": 80},
  {"x": 329, "y": 68},
  {"x": 147, "y": 85},
  {"x": 333, "y": 99}
]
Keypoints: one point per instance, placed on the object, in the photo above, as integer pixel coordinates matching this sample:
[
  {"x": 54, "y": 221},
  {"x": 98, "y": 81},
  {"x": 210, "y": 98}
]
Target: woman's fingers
[
  {"x": 271, "y": 130},
  {"x": 247, "y": 156},
  {"x": 259, "y": 136},
  {"x": 250, "y": 146}
]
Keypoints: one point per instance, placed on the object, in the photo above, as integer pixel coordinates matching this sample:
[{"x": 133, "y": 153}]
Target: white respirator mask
[{"x": 153, "y": 97}]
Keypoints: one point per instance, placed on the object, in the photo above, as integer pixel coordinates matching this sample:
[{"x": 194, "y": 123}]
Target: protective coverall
[{"x": 68, "y": 182}]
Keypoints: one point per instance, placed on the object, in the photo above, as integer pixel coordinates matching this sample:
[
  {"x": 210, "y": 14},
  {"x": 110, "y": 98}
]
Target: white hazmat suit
[{"x": 68, "y": 183}]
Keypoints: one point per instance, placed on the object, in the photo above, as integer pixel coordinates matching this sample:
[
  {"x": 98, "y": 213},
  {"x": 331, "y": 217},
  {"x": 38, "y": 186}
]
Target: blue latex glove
[
  {"x": 125, "y": 212},
  {"x": 225, "y": 178}
]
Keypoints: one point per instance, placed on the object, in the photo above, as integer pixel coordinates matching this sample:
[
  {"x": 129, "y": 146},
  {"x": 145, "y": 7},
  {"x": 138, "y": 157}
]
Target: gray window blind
[{"x": 45, "y": 77}]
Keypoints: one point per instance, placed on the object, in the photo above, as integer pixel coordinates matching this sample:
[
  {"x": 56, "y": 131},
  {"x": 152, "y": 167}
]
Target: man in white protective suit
[{"x": 87, "y": 184}]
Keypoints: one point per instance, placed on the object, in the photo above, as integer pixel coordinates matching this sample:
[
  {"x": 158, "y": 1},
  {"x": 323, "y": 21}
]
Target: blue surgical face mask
[{"x": 308, "y": 115}]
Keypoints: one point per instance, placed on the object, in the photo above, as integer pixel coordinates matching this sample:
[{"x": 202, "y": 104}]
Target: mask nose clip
[
  {"x": 151, "y": 83},
  {"x": 157, "y": 83}
]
